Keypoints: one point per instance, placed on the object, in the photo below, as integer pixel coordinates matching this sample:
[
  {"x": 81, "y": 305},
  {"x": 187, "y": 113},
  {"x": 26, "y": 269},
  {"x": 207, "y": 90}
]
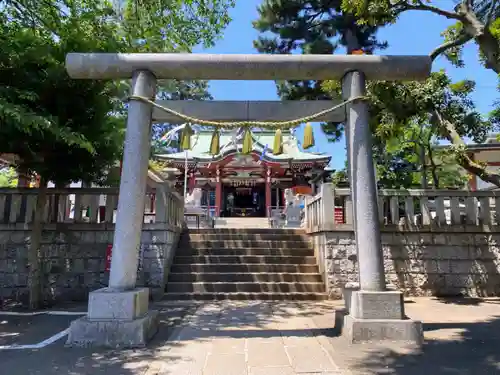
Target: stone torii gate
[{"x": 119, "y": 315}]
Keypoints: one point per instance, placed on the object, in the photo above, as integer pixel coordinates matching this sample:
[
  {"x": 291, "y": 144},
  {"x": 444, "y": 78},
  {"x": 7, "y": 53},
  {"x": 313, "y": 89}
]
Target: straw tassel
[
  {"x": 247, "y": 142},
  {"x": 215, "y": 143},
  {"x": 278, "y": 143},
  {"x": 308, "y": 137},
  {"x": 186, "y": 137}
]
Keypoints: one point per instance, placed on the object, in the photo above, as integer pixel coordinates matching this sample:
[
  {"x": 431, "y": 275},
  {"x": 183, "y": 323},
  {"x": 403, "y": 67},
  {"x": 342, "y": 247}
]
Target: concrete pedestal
[
  {"x": 350, "y": 287},
  {"x": 378, "y": 316},
  {"x": 115, "y": 320},
  {"x": 347, "y": 290}
]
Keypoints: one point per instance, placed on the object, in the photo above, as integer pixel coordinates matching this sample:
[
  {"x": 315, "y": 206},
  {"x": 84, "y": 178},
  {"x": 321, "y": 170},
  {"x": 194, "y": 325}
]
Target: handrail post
[
  {"x": 161, "y": 205},
  {"x": 327, "y": 206}
]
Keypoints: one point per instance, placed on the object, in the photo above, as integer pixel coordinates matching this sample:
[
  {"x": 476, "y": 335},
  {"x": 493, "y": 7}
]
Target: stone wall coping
[
  {"x": 414, "y": 229},
  {"x": 86, "y": 227}
]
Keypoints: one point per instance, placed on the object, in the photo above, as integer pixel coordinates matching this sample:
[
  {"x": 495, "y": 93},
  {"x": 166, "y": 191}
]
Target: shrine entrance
[{"x": 243, "y": 201}]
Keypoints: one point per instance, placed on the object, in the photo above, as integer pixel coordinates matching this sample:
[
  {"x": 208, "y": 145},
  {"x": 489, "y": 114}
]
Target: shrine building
[{"x": 237, "y": 184}]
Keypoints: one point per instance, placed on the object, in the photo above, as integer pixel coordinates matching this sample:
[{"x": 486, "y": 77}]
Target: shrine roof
[{"x": 201, "y": 145}]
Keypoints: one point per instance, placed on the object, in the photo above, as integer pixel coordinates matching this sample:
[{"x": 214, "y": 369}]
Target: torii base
[
  {"x": 379, "y": 316},
  {"x": 115, "y": 320}
]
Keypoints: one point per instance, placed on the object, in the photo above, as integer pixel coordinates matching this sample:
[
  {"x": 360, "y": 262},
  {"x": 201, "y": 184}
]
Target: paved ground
[
  {"x": 462, "y": 337},
  {"x": 252, "y": 338}
]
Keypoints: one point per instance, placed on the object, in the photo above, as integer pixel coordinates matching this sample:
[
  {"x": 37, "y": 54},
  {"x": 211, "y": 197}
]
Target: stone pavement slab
[
  {"x": 281, "y": 338},
  {"x": 462, "y": 336},
  {"x": 252, "y": 338}
]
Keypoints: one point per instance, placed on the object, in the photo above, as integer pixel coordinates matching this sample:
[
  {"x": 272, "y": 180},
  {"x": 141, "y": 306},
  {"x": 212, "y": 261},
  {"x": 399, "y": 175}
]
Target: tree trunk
[
  {"x": 488, "y": 44},
  {"x": 490, "y": 48},
  {"x": 463, "y": 159},
  {"x": 473, "y": 27},
  {"x": 435, "y": 177},
  {"x": 34, "y": 251}
]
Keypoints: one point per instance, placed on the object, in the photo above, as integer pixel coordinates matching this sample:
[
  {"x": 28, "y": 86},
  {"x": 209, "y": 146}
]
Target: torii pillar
[{"x": 118, "y": 315}]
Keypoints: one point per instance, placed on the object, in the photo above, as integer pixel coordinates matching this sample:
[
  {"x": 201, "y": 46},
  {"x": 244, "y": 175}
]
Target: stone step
[
  {"x": 242, "y": 268},
  {"x": 247, "y": 296},
  {"x": 242, "y": 222},
  {"x": 246, "y": 237},
  {"x": 245, "y": 231},
  {"x": 245, "y": 277},
  {"x": 244, "y": 287},
  {"x": 246, "y": 251},
  {"x": 184, "y": 243},
  {"x": 244, "y": 259}
]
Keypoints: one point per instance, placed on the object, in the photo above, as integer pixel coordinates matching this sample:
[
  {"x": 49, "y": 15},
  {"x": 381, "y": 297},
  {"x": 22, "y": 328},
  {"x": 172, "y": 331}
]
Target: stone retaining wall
[
  {"x": 439, "y": 263},
  {"x": 74, "y": 259}
]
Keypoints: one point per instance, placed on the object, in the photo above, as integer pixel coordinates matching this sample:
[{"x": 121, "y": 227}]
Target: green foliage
[
  {"x": 8, "y": 177},
  {"x": 174, "y": 25},
  {"x": 475, "y": 20},
  {"x": 67, "y": 129},
  {"x": 421, "y": 101},
  {"x": 59, "y": 127},
  {"x": 339, "y": 178},
  {"x": 408, "y": 119},
  {"x": 138, "y": 25}
]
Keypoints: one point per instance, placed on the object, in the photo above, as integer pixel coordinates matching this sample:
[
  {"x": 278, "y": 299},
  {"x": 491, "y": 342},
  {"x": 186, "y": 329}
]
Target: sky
[{"x": 415, "y": 33}]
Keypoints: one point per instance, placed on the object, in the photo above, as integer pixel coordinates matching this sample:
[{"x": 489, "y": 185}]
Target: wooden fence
[
  {"x": 411, "y": 208},
  {"x": 86, "y": 205}
]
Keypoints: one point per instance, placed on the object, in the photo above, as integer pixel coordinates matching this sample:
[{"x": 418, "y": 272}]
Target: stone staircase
[{"x": 245, "y": 264}]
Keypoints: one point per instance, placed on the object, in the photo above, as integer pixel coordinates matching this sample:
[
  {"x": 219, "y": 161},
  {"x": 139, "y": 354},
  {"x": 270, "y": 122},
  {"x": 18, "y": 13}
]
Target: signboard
[
  {"x": 109, "y": 251},
  {"x": 304, "y": 190},
  {"x": 338, "y": 215}
]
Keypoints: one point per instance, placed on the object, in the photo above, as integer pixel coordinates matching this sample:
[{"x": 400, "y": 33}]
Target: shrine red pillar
[
  {"x": 268, "y": 193},
  {"x": 218, "y": 195}
]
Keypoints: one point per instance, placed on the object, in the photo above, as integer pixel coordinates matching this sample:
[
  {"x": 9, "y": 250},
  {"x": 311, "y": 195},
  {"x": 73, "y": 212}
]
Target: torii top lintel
[{"x": 246, "y": 67}]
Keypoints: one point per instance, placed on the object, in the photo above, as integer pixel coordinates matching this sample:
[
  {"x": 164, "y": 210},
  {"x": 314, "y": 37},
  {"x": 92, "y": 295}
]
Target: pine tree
[{"x": 311, "y": 27}]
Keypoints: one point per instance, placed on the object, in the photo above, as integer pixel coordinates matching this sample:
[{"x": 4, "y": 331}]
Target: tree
[
  {"x": 311, "y": 27},
  {"x": 411, "y": 158},
  {"x": 321, "y": 26},
  {"x": 449, "y": 109},
  {"x": 68, "y": 130},
  {"x": 176, "y": 90},
  {"x": 476, "y": 20},
  {"x": 141, "y": 25},
  {"x": 437, "y": 109},
  {"x": 8, "y": 177},
  {"x": 61, "y": 136}
]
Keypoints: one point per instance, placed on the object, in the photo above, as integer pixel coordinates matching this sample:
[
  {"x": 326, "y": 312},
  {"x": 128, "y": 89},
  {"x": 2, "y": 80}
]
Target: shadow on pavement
[
  {"x": 467, "y": 301},
  {"x": 251, "y": 319},
  {"x": 453, "y": 347},
  {"x": 56, "y": 359},
  {"x": 25, "y": 330},
  {"x": 465, "y": 348},
  {"x": 473, "y": 351}
]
